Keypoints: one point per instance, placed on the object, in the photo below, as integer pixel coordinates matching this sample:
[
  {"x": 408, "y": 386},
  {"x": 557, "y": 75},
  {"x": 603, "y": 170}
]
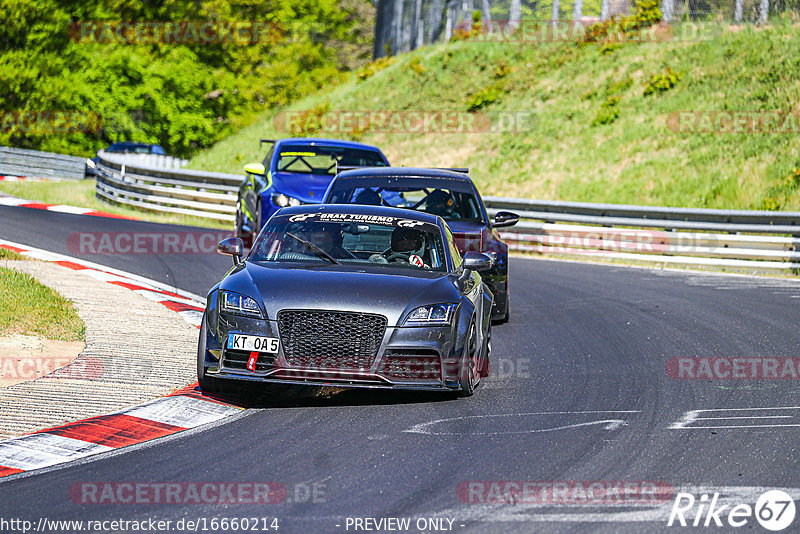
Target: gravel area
[{"x": 136, "y": 350}]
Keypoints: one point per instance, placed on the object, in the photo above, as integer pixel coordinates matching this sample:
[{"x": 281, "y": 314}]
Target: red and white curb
[
  {"x": 187, "y": 305},
  {"x": 185, "y": 409},
  {"x": 61, "y": 208},
  {"x": 180, "y": 411}
]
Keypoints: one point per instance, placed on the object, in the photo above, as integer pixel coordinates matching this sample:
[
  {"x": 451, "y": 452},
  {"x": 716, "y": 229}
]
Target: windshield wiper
[{"x": 314, "y": 248}]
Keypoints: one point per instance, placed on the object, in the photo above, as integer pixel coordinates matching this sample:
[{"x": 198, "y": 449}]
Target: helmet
[
  {"x": 406, "y": 240},
  {"x": 439, "y": 202},
  {"x": 332, "y": 230},
  {"x": 368, "y": 197}
]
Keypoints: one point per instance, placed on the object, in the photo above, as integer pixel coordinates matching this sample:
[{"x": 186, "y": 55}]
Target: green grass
[
  {"x": 585, "y": 145},
  {"x": 28, "y": 307},
  {"x": 6, "y": 254},
  {"x": 81, "y": 193}
]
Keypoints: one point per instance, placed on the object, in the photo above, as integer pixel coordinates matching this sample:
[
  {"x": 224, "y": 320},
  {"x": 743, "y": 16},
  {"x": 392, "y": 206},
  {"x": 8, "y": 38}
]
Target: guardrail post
[
  {"x": 763, "y": 11},
  {"x": 667, "y": 10},
  {"x": 577, "y": 11},
  {"x": 554, "y": 13}
]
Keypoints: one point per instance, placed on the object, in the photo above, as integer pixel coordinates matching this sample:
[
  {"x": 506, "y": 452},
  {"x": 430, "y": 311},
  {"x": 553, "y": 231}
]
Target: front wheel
[
  {"x": 466, "y": 377},
  {"x": 238, "y": 227},
  {"x": 208, "y": 384},
  {"x": 256, "y": 224}
]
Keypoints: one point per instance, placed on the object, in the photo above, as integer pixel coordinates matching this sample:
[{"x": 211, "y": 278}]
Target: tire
[
  {"x": 507, "y": 315},
  {"x": 238, "y": 225},
  {"x": 256, "y": 224},
  {"x": 466, "y": 378},
  {"x": 209, "y": 384},
  {"x": 485, "y": 362},
  {"x": 507, "y": 312}
]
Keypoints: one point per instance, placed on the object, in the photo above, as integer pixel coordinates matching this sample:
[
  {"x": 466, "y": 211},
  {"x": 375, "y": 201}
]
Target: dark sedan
[
  {"x": 354, "y": 296},
  {"x": 442, "y": 192}
]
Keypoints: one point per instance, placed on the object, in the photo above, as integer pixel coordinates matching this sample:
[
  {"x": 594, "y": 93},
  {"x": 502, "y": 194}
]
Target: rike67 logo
[{"x": 774, "y": 510}]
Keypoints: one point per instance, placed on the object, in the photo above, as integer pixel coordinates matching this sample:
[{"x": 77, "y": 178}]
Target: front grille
[
  {"x": 413, "y": 364},
  {"x": 330, "y": 339},
  {"x": 237, "y": 359}
]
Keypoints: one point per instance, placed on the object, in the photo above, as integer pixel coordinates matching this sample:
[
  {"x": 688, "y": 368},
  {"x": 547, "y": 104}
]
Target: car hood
[
  {"x": 308, "y": 188},
  {"x": 360, "y": 288}
]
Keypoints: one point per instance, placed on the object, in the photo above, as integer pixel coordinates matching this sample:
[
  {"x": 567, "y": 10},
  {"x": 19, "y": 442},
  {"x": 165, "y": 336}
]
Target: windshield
[
  {"x": 324, "y": 160},
  {"x": 452, "y": 200},
  {"x": 326, "y": 238}
]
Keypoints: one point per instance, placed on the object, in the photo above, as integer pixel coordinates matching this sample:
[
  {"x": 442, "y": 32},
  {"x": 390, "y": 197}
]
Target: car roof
[
  {"x": 313, "y": 141},
  {"x": 359, "y": 209},
  {"x": 404, "y": 172}
]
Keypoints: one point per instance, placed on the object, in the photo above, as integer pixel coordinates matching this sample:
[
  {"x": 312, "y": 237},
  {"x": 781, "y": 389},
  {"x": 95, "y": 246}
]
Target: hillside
[{"x": 596, "y": 135}]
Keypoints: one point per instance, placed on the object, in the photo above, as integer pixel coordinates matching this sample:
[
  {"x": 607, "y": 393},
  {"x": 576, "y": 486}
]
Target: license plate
[{"x": 253, "y": 343}]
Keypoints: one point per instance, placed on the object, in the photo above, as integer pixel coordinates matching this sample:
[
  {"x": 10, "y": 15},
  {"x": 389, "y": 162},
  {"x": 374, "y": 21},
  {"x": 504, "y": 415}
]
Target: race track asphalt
[{"x": 579, "y": 392}]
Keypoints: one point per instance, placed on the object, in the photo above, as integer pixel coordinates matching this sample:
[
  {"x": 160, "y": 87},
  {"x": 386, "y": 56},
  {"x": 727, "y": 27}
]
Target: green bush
[
  {"x": 183, "y": 96},
  {"x": 370, "y": 69},
  {"x": 483, "y": 98},
  {"x": 662, "y": 82},
  {"x": 608, "y": 112},
  {"x": 416, "y": 66}
]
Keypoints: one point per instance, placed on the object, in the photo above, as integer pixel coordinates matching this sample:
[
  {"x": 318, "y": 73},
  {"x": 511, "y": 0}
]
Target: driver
[
  {"x": 328, "y": 237},
  {"x": 439, "y": 203},
  {"x": 368, "y": 197},
  {"x": 406, "y": 244}
]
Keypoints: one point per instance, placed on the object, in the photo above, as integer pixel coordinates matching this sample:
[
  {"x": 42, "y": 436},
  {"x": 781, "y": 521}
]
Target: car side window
[
  {"x": 456, "y": 255},
  {"x": 268, "y": 158}
]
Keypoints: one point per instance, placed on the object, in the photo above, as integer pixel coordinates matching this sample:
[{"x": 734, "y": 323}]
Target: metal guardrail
[
  {"x": 146, "y": 160},
  {"x": 753, "y": 241},
  {"x": 200, "y": 193},
  {"x": 36, "y": 164},
  {"x": 750, "y": 241}
]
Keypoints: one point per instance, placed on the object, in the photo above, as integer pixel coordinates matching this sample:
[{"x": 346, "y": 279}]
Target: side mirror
[
  {"x": 255, "y": 168},
  {"x": 232, "y": 246},
  {"x": 503, "y": 219},
  {"x": 477, "y": 261}
]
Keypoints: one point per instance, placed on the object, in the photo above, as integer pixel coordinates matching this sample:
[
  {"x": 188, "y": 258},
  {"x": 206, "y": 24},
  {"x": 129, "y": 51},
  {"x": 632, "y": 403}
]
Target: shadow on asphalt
[{"x": 268, "y": 396}]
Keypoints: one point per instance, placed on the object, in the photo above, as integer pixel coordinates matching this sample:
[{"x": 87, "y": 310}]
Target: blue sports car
[
  {"x": 352, "y": 296},
  {"x": 295, "y": 171}
]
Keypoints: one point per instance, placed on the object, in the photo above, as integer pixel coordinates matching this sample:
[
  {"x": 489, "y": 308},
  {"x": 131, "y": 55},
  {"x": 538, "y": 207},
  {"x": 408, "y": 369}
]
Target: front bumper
[{"x": 409, "y": 358}]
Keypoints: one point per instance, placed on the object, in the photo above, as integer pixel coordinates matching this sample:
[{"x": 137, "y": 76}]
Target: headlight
[
  {"x": 239, "y": 304},
  {"x": 436, "y": 314},
  {"x": 282, "y": 200}
]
